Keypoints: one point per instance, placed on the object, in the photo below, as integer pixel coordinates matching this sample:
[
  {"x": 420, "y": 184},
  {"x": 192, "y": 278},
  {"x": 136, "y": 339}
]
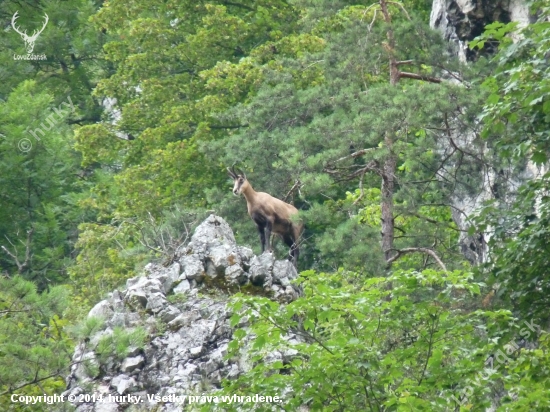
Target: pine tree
[
  {"x": 351, "y": 118},
  {"x": 40, "y": 186},
  {"x": 35, "y": 350}
]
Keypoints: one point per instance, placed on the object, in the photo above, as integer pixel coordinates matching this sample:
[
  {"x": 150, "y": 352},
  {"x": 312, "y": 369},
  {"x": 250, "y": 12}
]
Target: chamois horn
[
  {"x": 231, "y": 171},
  {"x": 234, "y": 173},
  {"x": 241, "y": 173}
]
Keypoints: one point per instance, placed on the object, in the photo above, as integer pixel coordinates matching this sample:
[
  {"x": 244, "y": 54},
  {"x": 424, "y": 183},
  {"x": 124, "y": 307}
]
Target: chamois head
[{"x": 239, "y": 179}]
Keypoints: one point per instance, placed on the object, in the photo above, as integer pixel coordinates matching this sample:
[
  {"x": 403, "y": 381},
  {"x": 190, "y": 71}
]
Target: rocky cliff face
[
  {"x": 183, "y": 310},
  {"x": 463, "y": 20}
]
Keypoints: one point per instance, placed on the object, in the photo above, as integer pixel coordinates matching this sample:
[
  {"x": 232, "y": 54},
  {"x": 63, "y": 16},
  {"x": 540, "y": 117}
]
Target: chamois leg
[
  {"x": 297, "y": 230},
  {"x": 268, "y": 227},
  {"x": 262, "y": 237},
  {"x": 295, "y": 255},
  {"x": 264, "y": 228}
]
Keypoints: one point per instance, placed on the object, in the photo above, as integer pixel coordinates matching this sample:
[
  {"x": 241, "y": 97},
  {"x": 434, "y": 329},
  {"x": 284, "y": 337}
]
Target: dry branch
[
  {"x": 356, "y": 154},
  {"x": 292, "y": 189},
  {"x": 21, "y": 266},
  {"x": 401, "y": 252},
  {"x": 415, "y": 76}
]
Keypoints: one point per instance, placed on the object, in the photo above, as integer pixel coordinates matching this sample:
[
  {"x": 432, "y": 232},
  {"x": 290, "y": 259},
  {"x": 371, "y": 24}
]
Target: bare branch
[
  {"x": 372, "y": 166},
  {"x": 402, "y": 8},
  {"x": 35, "y": 381},
  {"x": 415, "y": 76},
  {"x": 20, "y": 266},
  {"x": 427, "y": 219},
  {"x": 5, "y": 312},
  {"x": 244, "y": 6},
  {"x": 356, "y": 154},
  {"x": 401, "y": 252},
  {"x": 454, "y": 76},
  {"x": 399, "y": 63},
  {"x": 373, "y": 19},
  {"x": 227, "y": 126},
  {"x": 367, "y": 9},
  {"x": 361, "y": 187},
  {"x": 292, "y": 189},
  {"x": 455, "y": 146}
]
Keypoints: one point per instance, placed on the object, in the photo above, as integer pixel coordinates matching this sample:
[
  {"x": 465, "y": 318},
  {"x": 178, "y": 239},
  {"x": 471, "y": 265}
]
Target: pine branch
[{"x": 35, "y": 381}]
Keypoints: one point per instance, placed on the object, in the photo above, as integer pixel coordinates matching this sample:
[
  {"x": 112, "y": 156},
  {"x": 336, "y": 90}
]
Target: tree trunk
[
  {"x": 390, "y": 163},
  {"x": 388, "y": 187}
]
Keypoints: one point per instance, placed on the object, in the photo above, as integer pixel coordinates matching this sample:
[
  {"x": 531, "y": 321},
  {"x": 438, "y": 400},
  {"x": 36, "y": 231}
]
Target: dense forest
[{"x": 114, "y": 147}]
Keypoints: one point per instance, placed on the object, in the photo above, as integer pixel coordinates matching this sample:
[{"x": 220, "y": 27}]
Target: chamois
[{"x": 270, "y": 215}]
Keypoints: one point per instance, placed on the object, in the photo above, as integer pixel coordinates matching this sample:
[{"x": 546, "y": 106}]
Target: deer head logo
[{"x": 29, "y": 40}]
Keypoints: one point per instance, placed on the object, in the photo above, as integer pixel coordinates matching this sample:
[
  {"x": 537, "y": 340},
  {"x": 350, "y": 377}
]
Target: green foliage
[
  {"x": 518, "y": 108},
  {"x": 529, "y": 379},
  {"x": 38, "y": 175},
  {"x": 72, "y": 47},
  {"x": 86, "y": 328},
  {"x": 167, "y": 94},
  {"x": 517, "y": 117},
  {"x": 108, "y": 346},
  {"x": 118, "y": 343},
  {"x": 398, "y": 343},
  {"x": 519, "y": 248},
  {"x": 35, "y": 350}
]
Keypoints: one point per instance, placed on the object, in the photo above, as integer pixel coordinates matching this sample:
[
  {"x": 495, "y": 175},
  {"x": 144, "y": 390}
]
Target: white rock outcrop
[
  {"x": 462, "y": 20},
  {"x": 187, "y": 340}
]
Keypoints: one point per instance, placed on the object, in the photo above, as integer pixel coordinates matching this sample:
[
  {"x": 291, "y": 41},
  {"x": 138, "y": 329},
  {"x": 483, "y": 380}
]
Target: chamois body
[{"x": 270, "y": 214}]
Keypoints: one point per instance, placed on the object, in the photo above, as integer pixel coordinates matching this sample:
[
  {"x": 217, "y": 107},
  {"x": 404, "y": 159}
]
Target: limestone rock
[
  {"x": 123, "y": 384},
  {"x": 193, "y": 267},
  {"x": 462, "y": 20},
  {"x": 166, "y": 276},
  {"x": 182, "y": 287},
  {"x": 101, "y": 310},
  {"x": 131, "y": 363},
  {"x": 186, "y": 317}
]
